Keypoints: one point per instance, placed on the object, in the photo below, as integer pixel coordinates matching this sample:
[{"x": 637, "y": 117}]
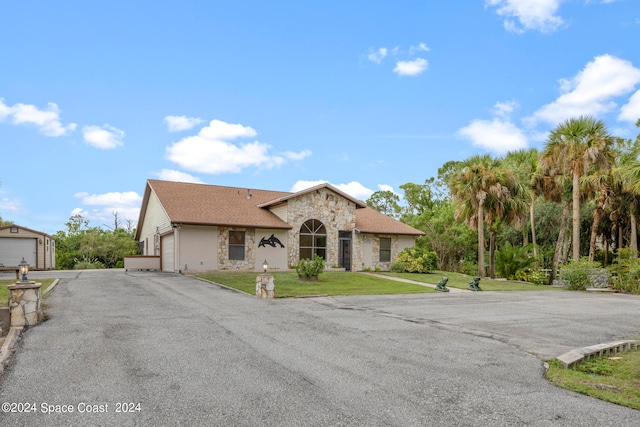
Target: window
[
  {"x": 313, "y": 239},
  {"x": 385, "y": 249},
  {"x": 13, "y": 230},
  {"x": 236, "y": 245}
]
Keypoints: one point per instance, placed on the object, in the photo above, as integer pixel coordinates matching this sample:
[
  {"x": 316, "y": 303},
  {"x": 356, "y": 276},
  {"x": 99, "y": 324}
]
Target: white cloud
[
  {"x": 179, "y": 123},
  {"x": 126, "y": 204},
  {"x": 8, "y": 205},
  {"x": 537, "y": 15},
  {"x": 421, "y": 47},
  {"x": 377, "y": 55},
  {"x": 504, "y": 109},
  {"x": 411, "y": 68},
  {"x": 210, "y": 151},
  {"x": 105, "y": 137},
  {"x": 591, "y": 91},
  {"x": 291, "y": 155},
  {"x": 353, "y": 188},
  {"x": 174, "y": 175},
  {"x": 47, "y": 120},
  {"x": 498, "y": 135},
  {"x": 631, "y": 111},
  {"x": 126, "y": 199}
]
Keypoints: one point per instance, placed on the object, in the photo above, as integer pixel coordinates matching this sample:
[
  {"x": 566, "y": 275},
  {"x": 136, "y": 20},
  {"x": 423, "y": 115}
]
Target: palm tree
[
  {"x": 573, "y": 146},
  {"x": 478, "y": 183},
  {"x": 526, "y": 164}
]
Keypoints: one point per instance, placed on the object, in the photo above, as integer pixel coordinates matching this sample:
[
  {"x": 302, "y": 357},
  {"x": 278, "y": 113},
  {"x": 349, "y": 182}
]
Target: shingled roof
[{"x": 203, "y": 204}]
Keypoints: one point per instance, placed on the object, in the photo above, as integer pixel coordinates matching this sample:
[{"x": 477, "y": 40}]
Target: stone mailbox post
[
  {"x": 265, "y": 286},
  {"x": 24, "y": 303}
]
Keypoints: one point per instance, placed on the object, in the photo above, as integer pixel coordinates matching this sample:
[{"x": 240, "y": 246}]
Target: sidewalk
[{"x": 428, "y": 285}]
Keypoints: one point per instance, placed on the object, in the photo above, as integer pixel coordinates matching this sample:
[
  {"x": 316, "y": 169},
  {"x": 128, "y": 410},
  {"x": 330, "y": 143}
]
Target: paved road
[{"x": 192, "y": 353}]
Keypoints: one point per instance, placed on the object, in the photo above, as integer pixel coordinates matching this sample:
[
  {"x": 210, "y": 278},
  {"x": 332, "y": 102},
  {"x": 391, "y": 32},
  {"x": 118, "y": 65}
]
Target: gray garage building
[{"x": 37, "y": 248}]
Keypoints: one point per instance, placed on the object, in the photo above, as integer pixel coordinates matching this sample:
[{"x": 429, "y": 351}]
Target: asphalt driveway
[{"x": 145, "y": 348}]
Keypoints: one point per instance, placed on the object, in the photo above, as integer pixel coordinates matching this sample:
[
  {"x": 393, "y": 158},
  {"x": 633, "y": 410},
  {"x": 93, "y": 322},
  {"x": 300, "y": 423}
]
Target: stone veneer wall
[
  {"x": 249, "y": 262},
  {"x": 333, "y": 210},
  {"x": 375, "y": 243}
]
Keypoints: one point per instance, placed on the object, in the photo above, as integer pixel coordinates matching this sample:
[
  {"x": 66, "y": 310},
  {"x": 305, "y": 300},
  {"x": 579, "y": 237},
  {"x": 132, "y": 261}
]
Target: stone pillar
[
  {"x": 25, "y": 303},
  {"x": 265, "y": 286}
]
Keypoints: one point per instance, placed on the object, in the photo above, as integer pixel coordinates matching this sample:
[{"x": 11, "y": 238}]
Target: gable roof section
[
  {"x": 288, "y": 196},
  {"x": 369, "y": 220},
  {"x": 203, "y": 204},
  {"x": 26, "y": 229}
]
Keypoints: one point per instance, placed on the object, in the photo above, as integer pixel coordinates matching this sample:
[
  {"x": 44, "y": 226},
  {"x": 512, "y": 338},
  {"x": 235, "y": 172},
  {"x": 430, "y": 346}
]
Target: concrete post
[{"x": 25, "y": 303}]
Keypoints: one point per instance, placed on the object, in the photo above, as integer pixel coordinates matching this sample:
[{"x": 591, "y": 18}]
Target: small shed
[{"x": 37, "y": 248}]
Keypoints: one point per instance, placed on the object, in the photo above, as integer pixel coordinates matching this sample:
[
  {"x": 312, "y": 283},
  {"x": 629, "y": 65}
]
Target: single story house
[
  {"x": 38, "y": 249},
  {"x": 200, "y": 227}
]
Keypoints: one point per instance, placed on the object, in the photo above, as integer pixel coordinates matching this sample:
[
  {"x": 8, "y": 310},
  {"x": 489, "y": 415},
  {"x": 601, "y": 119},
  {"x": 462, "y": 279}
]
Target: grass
[
  {"x": 461, "y": 281},
  {"x": 4, "y": 292},
  {"x": 612, "y": 379},
  {"x": 287, "y": 284}
]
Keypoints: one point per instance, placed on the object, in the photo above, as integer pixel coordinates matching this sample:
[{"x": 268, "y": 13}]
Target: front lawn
[
  {"x": 4, "y": 292},
  {"x": 287, "y": 284},
  {"x": 615, "y": 379},
  {"x": 461, "y": 281}
]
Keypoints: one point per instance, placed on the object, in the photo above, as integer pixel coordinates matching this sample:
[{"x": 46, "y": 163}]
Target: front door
[{"x": 344, "y": 251}]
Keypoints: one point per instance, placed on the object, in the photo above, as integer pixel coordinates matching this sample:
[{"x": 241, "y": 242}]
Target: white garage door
[
  {"x": 13, "y": 249},
  {"x": 167, "y": 253}
]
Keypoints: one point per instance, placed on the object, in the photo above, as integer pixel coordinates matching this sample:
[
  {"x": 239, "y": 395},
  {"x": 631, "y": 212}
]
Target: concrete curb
[
  {"x": 9, "y": 342},
  {"x": 50, "y": 288},
  {"x": 576, "y": 356}
]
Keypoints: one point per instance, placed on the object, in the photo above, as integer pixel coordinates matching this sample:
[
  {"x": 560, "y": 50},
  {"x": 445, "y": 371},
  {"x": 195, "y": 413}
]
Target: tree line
[{"x": 577, "y": 197}]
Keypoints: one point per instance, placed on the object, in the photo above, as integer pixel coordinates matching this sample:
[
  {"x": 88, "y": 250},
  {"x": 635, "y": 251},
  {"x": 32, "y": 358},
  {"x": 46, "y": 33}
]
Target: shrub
[
  {"x": 511, "y": 260},
  {"x": 398, "y": 267},
  {"x": 308, "y": 269},
  {"x": 576, "y": 274},
  {"x": 626, "y": 274},
  {"x": 418, "y": 260},
  {"x": 86, "y": 265},
  {"x": 537, "y": 277}
]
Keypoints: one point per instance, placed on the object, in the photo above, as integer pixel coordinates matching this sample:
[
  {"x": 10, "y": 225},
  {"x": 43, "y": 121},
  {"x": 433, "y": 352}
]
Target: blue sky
[{"x": 97, "y": 97}]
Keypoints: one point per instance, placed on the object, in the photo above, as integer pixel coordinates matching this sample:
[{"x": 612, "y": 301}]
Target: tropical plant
[
  {"x": 481, "y": 187},
  {"x": 510, "y": 260},
  {"x": 573, "y": 147}
]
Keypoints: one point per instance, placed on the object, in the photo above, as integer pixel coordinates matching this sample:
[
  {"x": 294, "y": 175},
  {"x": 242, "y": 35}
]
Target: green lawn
[
  {"x": 615, "y": 379},
  {"x": 461, "y": 281},
  {"x": 4, "y": 292},
  {"x": 287, "y": 284}
]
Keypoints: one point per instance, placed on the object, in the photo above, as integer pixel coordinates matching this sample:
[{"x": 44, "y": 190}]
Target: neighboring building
[
  {"x": 37, "y": 248},
  {"x": 198, "y": 227}
]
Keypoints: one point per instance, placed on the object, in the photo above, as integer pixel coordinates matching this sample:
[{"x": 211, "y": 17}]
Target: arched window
[{"x": 313, "y": 239}]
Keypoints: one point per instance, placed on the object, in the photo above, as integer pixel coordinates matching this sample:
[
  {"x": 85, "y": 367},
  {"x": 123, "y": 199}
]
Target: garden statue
[
  {"x": 442, "y": 284},
  {"x": 474, "y": 285}
]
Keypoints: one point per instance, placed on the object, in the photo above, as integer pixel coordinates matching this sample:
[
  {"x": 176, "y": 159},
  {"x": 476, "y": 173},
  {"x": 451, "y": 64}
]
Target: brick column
[{"x": 25, "y": 303}]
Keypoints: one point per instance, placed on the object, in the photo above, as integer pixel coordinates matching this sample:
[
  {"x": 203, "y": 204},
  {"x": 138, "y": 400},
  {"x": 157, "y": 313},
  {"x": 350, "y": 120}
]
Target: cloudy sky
[{"x": 97, "y": 97}]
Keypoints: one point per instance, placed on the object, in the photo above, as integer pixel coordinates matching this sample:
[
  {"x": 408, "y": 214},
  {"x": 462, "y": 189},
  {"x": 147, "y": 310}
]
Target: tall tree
[
  {"x": 526, "y": 165},
  {"x": 574, "y": 145},
  {"x": 477, "y": 183},
  {"x": 385, "y": 202}
]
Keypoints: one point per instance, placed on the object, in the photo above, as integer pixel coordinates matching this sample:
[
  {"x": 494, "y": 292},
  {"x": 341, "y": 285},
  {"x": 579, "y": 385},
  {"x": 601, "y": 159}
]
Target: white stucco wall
[
  {"x": 198, "y": 248},
  {"x": 275, "y": 256}
]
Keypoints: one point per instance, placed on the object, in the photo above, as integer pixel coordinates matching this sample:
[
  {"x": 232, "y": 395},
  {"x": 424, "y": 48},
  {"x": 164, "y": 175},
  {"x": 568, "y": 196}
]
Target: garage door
[
  {"x": 167, "y": 253},
  {"x": 12, "y": 250}
]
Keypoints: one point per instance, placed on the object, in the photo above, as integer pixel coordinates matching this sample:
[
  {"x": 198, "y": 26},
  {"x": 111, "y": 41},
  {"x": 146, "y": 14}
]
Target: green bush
[
  {"x": 86, "y": 265},
  {"x": 308, "y": 269},
  {"x": 511, "y": 260},
  {"x": 398, "y": 267},
  {"x": 575, "y": 275},
  {"x": 626, "y": 273},
  {"x": 537, "y": 277},
  {"x": 417, "y": 260}
]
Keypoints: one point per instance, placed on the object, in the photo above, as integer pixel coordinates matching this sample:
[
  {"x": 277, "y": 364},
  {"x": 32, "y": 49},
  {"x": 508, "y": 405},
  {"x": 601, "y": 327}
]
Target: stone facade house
[{"x": 199, "y": 227}]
